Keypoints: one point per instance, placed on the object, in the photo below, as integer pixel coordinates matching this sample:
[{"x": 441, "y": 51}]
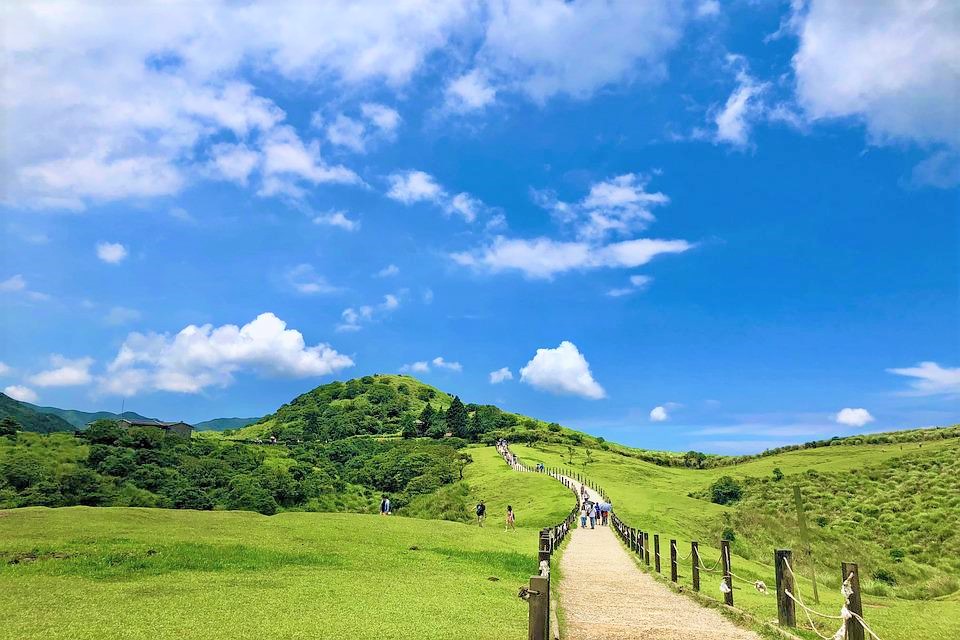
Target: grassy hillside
[
  {"x": 29, "y": 418},
  {"x": 165, "y": 575},
  {"x": 222, "y": 424},
  {"x": 876, "y": 498}
]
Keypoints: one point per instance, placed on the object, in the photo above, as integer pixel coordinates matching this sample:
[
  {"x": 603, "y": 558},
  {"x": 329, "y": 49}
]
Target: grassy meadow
[
  {"x": 870, "y": 500},
  {"x": 111, "y": 573}
]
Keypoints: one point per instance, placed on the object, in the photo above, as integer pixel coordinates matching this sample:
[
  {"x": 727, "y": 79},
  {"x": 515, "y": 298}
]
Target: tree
[
  {"x": 476, "y": 426},
  {"x": 408, "y": 426},
  {"x": 463, "y": 459},
  {"x": 457, "y": 418},
  {"x": 426, "y": 419},
  {"x": 777, "y": 474},
  {"x": 9, "y": 427},
  {"x": 725, "y": 490}
]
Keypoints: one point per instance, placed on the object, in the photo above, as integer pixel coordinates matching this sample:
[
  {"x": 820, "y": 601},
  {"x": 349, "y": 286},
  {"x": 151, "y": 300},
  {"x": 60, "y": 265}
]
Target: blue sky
[{"x": 713, "y": 225}]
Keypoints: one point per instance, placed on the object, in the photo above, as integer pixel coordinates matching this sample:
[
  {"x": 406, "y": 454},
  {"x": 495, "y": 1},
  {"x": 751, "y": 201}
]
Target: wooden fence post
[
  {"x": 673, "y": 561},
  {"x": 786, "y": 608},
  {"x": 646, "y": 548},
  {"x": 854, "y": 604},
  {"x": 538, "y": 625},
  {"x": 695, "y": 561},
  {"x": 633, "y": 539},
  {"x": 727, "y": 577},
  {"x": 656, "y": 551}
]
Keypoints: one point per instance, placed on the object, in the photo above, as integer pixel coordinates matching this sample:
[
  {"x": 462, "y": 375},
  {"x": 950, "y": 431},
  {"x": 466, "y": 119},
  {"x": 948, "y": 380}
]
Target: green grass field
[
  {"x": 111, "y": 573},
  {"x": 656, "y": 499}
]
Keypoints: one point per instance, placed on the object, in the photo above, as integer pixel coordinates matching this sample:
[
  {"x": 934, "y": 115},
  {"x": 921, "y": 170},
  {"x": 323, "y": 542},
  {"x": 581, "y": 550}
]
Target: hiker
[
  {"x": 385, "y": 506},
  {"x": 596, "y": 511},
  {"x": 583, "y": 516},
  {"x": 481, "y": 513},
  {"x": 591, "y": 514},
  {"x": 511, "y": 519}
]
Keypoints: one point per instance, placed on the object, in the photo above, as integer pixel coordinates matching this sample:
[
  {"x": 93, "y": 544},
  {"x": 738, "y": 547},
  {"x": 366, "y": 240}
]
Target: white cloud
[
  {"x": 500, "y": 375},
  {"x": 893, "y": 65},
  {"x": 469, "y": 92},
  {"x": 204, "y": 356},
  {"x": 64, "y": 372},
  {"x": 413, "y": 186},
  {"x": 17, "y": 284},
  {"x": 930, "y": 379},
  {"x": 122, "y": 315},
  {"x": 543, "y": 258},
  {"x": 563, "y": 370},
  {"x": 347, "y": 132},
  {"x": 853, "y": 417},
  {"x": 620, "y": 205},
  {"x": 111, "y": 252},
  {"x": 707, "y": 9},
  {"x": 5, "y": 369},
  {"x": 388, "y": 271},
  {"x": 427, "y": 296},
  {"x": 337, "y": 219},
  {"x": 381, "y": 116},
  {"x": 940, "y": 170},
  {"x": 21, "y": 393},
  {"x": 637, "y": 283},
  {"x": 234, "y": 162},
  {"x": 353, "y": 318},
  {"x": 464, "y": 205},
  {"x": 440, "y": 363},
  {"x": 422, "y": 366},
  {"x": 305, "y": 279},
  {"x": 659, "y": 414},
  {"x": 288, "y": 161},
  {"x": 735, "y": 120}
]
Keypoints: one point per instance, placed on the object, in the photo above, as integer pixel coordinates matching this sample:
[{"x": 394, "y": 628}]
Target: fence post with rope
[
  {"x": 851, "y": 576},
  {"x": 786, "y": 609},
  {"x": 673, "y": 561},
  {"x": 727, "y": 577},
  {"x": 656, "y": 552},
  {"x": 695, "y": 561}
]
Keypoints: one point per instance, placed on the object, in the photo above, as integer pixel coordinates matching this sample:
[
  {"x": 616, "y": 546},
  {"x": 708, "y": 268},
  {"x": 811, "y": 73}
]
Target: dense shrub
[{"x": 725, "y": 490}]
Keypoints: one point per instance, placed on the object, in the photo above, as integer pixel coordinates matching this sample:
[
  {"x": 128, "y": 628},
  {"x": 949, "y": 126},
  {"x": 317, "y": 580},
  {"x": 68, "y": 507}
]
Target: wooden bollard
[
  {"x": 695, "y": 562},
  {"x": 854, "y": 604},
  {"x": 538, "y": 625},
  {"x": 633, "y": 539},
  {"x": 727, "y": 576},
  {"x": 786, "y": 608},
  {"x": 673, "y": 561},
  {"x": 640, "y": 545},
  {"x": 646, "y": 548},
  {"x": 656, "y": 551}
]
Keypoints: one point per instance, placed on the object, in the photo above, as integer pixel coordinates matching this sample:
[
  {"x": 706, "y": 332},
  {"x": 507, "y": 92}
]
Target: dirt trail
[{"x": 603, "y": 595}]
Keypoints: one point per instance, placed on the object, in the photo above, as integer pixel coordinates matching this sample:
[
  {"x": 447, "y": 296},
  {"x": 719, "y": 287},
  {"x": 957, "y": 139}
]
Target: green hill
[
  {"x": 222, "y": 424},
  {"x": 29, "y": 418}
]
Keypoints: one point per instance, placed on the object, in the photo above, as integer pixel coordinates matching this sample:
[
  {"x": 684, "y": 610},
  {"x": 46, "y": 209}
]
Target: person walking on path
[
  {"x": 596, "y": 511},
  {"x": 511, "y": 519},
  {"x": 583, "y": 516},
  {"x": 385, "y": 506},
  {"x": 481, "y": 513}
]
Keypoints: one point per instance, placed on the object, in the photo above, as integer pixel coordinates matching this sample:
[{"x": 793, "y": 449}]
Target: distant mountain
[
  {"x": 222, "y": 424},
  {"x": 29, "y": 418},
  {"x": 80, "y": 419}
]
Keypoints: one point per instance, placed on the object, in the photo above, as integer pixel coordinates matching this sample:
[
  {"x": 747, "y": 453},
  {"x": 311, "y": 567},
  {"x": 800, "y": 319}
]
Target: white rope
[
  {"x": 846, "y": 590},
  {"x": 703, "y": 566}
]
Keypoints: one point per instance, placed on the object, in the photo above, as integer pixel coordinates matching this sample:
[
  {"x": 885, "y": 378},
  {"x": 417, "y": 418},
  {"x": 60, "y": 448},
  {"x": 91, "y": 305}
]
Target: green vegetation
[
  {"x": 891, "y": 508},
  {"x": 152, "y": 574},
  {"x": 29, "y": 419},
  {"x": 222, "y": 424}
]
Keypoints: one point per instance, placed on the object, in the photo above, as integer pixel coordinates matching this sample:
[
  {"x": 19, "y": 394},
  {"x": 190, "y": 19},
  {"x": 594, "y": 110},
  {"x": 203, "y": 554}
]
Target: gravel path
[{"x": 603, "y": 595}]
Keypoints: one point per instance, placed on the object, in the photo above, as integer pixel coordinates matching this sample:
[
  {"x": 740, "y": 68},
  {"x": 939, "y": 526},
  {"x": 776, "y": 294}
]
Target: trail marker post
[
  {"x": 854, "y": 604},
  {"x": 695, "y": 562},
  {"x": 673, "y": 561},
  {"x": 727, "y": 576},
  {"x": 786, "y": 608}
]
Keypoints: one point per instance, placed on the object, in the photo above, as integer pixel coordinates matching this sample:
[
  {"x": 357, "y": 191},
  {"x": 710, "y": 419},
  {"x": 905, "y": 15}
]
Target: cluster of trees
[{"x": 147, "y": 467}]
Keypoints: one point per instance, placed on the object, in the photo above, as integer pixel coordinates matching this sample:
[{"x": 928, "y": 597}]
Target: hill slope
[
  {"x": 222, "y": 424},
  {"x": 29, "y": 418}
]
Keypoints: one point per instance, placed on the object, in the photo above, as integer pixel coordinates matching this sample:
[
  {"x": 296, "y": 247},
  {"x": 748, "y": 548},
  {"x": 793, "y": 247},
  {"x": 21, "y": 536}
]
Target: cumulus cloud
[
  {"x": 563, "y": 370},
  {"x": 388, "y": 271},
  {"x": 636, "y": 283},
  {"x": 377, "y": 121},
  {"x": 288, "y": 162},
  {"x": 414, "y": 186},
  {"x": 64, "y": 372},
  {"x": 354, "y": 318},
  {"x": 21, "y": 393},
  {"x": 111, "y": 252},
  {"x": 440, "y": 363},
  {"x": 337, "y": 219},
  {"x": 853, "y": 417},
  {"x": 659, "y": 414},
  {"x": 469, "y": 92},
  {"x": 199, "y": 357},
  {"x": 304, "y": 279},
  {"x": 5, "y": 369},
  {"x": 233, "y": 162},
  {"x": 893, "y": 65},
  {"x": 619, "y": 206},
  {"x": 930, "y": 379},
  {"x": 423, "y": 366},
  {"x": 381, "y": 116},
  {"x": 17, "y": 284},
  {"x": 735, "y": 119},
  {"x": 544, "y": 258},
  {"x": 500, "y": 375}
]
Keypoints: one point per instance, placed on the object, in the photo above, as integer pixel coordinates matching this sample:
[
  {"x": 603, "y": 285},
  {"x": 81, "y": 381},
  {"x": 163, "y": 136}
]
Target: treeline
[{"x": 107, "y": 465}]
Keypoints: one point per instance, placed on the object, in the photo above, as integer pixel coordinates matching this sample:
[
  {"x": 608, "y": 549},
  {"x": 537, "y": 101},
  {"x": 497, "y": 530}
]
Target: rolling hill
[
  {"x": 222, "y": 424},
  {"x": 29, "y": 418}
]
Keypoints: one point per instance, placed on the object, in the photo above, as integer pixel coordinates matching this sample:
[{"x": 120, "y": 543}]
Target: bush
[
  {"x": 885, "y": 576},
  {"x": 725, "y": 490},
  {"x": 777, "y": 474}
]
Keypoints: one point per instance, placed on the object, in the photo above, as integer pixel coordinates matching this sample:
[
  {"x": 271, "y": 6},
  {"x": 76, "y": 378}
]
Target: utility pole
[{"x": 805, "y": 539}]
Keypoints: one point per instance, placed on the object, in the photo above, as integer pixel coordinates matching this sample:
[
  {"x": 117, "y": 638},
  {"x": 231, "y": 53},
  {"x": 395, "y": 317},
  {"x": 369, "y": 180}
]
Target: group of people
[
  {"x": 511, "y": 520},
  {"x": 594, "y": 512},
  {"x": 506, "y": 454}
]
